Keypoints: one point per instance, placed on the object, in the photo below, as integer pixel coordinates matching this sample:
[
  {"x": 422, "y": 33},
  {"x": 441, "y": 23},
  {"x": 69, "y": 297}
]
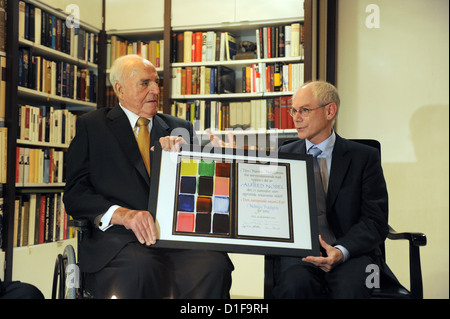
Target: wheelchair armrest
[
  {"x": 83, "y": 226},
  {"x": 415, "y": 239},
  {"x": 82, "y": 223}
]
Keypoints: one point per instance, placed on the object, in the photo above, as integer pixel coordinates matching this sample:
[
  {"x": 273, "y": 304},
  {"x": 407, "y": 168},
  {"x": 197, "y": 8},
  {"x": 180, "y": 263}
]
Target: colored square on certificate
[
  {"x": 222, "y": 186},
  {"x": 204, "y": 204},
  {"x": 223, "y": 169},
  {"x": 221, "y": 204},
  {"x": 203, "y": 223},
  {"x": 188, "y": 184},
  {"x": 186, "y": 203},
  {"x": 188, "y": 167},
  {"x": 205, "y": 185},
  {"x": 185, "y": 222},
  {"x": 206, "y": 168},
  {"x": 221, "y": 224}
]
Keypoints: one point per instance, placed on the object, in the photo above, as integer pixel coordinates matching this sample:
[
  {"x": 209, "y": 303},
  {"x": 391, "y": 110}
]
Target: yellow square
[{"x": 188, "y": 167}]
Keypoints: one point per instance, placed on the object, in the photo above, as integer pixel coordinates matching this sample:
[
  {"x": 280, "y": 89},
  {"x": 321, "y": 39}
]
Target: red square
[{"x": 185, "y": 222}]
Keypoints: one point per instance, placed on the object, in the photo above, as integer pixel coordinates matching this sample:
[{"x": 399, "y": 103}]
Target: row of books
[
  {"x": 273, "y": 77},
  {"x": 3, "y": 154},
  {"x": 39, "y": 166},
  {"x": 269, "y": 113},
  {"x": 39, "y": 219},
  {"x": 270, "y": 42},
  {"x": 280, "y": 41},
  {"x": 203, "y": 80},
  {"x": 190, "y": 46},
  {"x": 256, "y": 78},
  {"x": 46, "y": 29},
  {"x": 56, "y": 78},
  {"x": 151, "y": 50},
  {"x": 46, "y": 124}
]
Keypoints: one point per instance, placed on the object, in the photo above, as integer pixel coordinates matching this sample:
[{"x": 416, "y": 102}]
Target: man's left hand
[{"x": 334, "y": 258}]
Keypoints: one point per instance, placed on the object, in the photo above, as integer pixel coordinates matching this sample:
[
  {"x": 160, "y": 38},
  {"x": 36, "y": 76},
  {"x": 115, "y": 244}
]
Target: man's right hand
[
  {"x": 139, "y": 221},
  {"x": 217, "y": 142}
]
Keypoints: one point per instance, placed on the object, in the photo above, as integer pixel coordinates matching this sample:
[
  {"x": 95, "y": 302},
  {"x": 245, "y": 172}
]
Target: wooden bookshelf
[{"x": 18, "y": 95}]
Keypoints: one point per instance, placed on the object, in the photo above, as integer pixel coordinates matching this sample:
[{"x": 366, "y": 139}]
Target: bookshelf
[
  {"x": 266, "y": 76},
  {"x": 51, "y": 78}
]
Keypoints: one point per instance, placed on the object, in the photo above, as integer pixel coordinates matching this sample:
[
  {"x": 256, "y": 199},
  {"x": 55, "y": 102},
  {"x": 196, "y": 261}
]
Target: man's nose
[{"x": 154, "y": 87}]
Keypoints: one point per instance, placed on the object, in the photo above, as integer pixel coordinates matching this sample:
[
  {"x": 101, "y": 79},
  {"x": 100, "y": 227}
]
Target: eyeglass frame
[{"x": 304, "y": 111}]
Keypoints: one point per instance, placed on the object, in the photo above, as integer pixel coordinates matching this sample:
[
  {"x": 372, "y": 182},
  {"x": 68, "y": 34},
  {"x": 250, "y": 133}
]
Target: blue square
[
  {"x": 186, "y": 203},
  {"x": 221, "y": 204}
]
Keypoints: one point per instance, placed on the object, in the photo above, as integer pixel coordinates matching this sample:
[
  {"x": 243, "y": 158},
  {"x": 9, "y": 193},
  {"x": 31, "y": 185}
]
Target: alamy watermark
[
  {"x": 73, "y": 19},
  {"x": 373, "y": 18},
  {"x": 263, "y": 145},
  {"x": 373, "y": 279},
  {"x": 72, "y": 276}
]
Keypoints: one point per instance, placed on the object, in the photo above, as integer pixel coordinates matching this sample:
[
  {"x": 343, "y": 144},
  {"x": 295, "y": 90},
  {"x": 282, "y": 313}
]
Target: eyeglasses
[{"x": 304, "y": 111}]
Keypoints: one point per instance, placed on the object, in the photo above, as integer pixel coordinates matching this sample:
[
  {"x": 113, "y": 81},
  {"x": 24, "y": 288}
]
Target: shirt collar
[
  {"x": 326, "y": 146},
  {"x": 133, "y": 118}
]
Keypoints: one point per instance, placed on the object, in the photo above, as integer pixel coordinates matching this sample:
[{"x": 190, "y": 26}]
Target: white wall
[
  {"x": 89, "y": 11},
  {"x": 134, "y": 14},
  {"x": 394, "y": 82}
]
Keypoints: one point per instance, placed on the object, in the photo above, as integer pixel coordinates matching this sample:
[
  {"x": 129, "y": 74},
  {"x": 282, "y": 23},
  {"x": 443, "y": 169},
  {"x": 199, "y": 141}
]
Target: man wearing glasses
[{"x": 352, "y": 204}]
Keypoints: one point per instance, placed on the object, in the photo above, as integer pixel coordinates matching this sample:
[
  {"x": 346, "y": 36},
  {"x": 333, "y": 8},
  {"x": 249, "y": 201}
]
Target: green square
[{"x": 206, "y": 168}]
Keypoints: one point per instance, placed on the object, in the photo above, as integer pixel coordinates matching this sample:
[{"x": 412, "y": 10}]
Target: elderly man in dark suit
[
  {"x": 352, "y": 213},
  {"x": 108, "y": 183}
]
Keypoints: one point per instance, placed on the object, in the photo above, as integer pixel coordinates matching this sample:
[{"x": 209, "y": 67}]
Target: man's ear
[
  {"x": 331, "y": 111},
  {"x": 118, "y": 87}
]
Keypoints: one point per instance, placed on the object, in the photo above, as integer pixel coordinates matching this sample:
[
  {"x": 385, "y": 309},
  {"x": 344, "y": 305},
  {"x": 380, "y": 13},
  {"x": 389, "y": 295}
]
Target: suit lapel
[
  {"x": 159, "y": 129},
  {"x": 339, "y": 167},
  {"x": 124, "y": 134}
]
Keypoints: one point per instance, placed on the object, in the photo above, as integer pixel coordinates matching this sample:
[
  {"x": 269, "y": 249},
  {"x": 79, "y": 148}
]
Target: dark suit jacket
[
  {"x": 357, "y": 200},
  {"x": 104, "y": 167}
]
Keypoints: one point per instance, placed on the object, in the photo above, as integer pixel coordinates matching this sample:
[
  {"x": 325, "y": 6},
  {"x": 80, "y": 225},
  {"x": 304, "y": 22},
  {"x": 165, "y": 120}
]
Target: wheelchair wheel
[
  {"x": 72, "y": 274},
  {"x": 66, "y": 275}
]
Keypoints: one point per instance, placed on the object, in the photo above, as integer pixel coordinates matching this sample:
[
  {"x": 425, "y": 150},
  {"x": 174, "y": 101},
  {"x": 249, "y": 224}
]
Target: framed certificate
[{"x": 234, "y": 200}]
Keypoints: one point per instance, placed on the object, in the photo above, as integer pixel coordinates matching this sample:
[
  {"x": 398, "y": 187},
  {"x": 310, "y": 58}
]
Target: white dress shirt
[{"x": 133, "y": 118}]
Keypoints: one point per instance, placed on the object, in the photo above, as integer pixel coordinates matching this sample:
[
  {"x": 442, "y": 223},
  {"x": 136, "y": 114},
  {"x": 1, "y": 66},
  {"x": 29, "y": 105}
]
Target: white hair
[{"x": 122, "y": 65}]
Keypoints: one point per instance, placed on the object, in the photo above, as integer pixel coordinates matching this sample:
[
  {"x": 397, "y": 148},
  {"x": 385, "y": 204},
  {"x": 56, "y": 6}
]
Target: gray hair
[
  {"x": 324, "y": 92},
  {"x": 122, "y": 65}
]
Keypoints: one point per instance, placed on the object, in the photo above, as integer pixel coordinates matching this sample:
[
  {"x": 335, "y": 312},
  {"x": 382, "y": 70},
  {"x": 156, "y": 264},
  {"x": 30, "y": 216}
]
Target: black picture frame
[{"x": 292, "y": 229}]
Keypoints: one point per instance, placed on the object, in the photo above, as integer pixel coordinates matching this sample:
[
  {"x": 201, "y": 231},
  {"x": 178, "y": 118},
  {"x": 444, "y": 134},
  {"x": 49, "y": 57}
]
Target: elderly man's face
[{"x": 139, "y": 90}]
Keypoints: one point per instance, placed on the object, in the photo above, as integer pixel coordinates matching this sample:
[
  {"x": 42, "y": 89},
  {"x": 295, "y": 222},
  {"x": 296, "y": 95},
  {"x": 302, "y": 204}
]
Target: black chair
[{"x": 388, "y": 289}]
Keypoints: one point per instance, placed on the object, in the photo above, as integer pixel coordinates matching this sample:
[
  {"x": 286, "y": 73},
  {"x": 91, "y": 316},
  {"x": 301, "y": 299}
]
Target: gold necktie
[{"x": 144, "y": 141}]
